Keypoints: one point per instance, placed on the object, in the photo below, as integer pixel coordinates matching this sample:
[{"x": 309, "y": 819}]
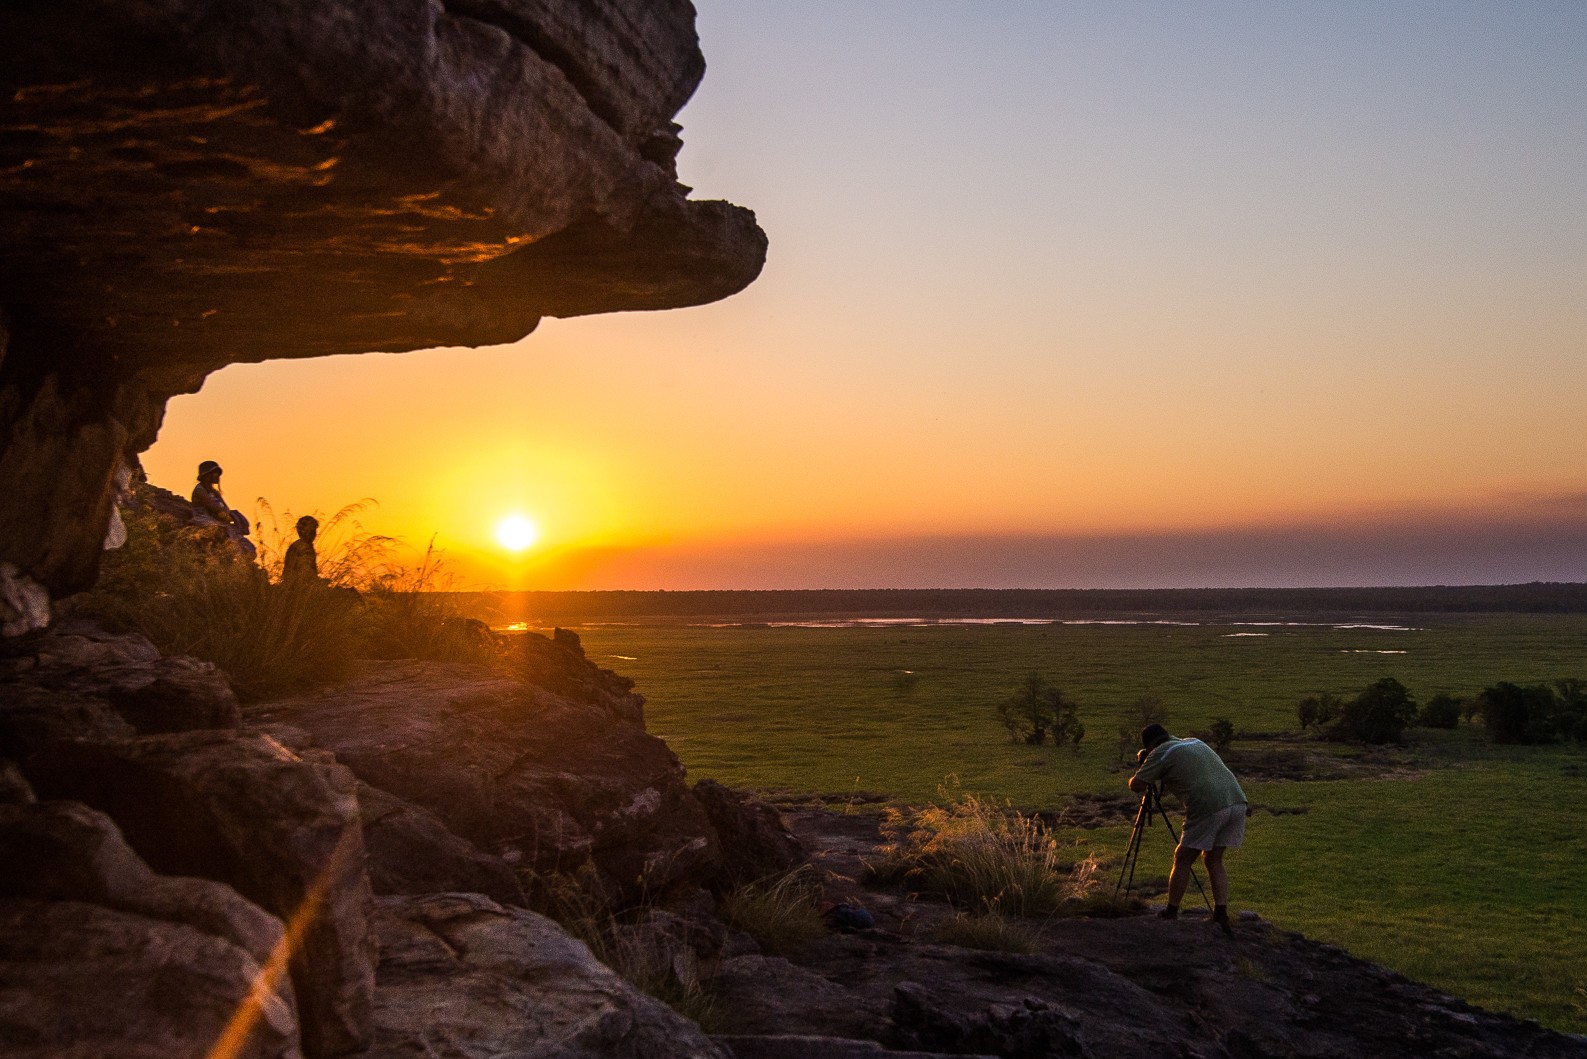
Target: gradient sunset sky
[{"x": 1059, "y": 295}]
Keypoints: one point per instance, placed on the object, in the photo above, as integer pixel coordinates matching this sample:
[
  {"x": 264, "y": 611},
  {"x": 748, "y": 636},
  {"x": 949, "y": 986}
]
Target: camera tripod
[{"x": 1151, "y": 803}]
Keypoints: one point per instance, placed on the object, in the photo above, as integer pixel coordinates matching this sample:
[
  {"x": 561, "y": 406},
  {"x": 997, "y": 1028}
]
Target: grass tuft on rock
[
  {"x": 984, "y": 858},
  {"x": 657, "y": 964},
  {"x": 780, "y": 914},
  {"x": 992, "y": 932}
]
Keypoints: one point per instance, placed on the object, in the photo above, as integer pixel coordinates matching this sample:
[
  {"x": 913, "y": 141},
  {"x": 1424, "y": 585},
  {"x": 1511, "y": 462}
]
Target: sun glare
[{"x": 516, "y": 533}]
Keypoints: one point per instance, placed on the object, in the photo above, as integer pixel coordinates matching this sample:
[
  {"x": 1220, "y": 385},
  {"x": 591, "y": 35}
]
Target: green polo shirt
[{"x": 1194, "y": 773}]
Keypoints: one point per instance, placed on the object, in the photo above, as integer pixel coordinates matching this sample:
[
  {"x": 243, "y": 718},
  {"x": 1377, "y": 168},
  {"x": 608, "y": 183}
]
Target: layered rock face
[
  {"x": 337, "y": 873},
  {"x": 547, "y": 783},
  {"x": 186, "y": 184}
]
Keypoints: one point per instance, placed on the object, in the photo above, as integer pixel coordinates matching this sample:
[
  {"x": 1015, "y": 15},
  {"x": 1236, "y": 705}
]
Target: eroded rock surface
[
  {"x": 243, "y": 810},
  {"x": 546, "y": 782},
  {"x": 1094, "y": 987},
  {"x": 410, "y": 851},
  {"x": 186, "y": 184},
  {"x": 464, "y": 978},
  {"x": 100, "y": 956},
  {"x": 123, "y": 680},
  {"x": 756, "y": 843}
]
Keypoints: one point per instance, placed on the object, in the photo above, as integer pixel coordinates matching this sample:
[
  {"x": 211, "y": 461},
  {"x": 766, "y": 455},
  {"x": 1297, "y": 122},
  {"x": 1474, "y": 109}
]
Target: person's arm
[
  {"x": 1151, "y": 769},
  {"x": 207, "y": 501}
]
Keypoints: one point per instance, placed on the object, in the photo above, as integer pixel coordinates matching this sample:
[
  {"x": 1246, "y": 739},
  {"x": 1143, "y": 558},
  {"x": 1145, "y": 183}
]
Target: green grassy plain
[{"x": 1455, "y": 862}]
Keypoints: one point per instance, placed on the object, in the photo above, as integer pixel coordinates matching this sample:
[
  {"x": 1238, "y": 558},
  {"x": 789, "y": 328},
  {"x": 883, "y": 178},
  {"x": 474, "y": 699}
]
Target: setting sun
[{"x": 516, "y": 533}]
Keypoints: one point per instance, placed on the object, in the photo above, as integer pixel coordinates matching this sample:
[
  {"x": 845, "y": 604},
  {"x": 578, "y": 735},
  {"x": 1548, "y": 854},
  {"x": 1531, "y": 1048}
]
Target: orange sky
[{"x": 1053, "y": 273}]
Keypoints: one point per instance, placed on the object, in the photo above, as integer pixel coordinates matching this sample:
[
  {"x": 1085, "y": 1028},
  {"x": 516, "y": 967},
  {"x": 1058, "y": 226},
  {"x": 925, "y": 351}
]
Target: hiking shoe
[
  {"x": 1224, "y": 924},
  {"x": 1168, "y": 913}
]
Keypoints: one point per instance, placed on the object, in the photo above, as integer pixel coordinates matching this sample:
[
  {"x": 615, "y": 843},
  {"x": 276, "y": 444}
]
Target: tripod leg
[
  {"x": 1193, "y": 876},
  {"x": 1132, "y": 853}
]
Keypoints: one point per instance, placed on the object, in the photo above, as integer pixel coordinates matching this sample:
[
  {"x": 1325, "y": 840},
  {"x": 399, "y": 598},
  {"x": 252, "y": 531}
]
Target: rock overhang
[{"x": 186, "y": 184}]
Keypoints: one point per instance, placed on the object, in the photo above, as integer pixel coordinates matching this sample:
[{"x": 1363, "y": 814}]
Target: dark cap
[
  {"x": 1153, "y": 734},
  {"x": 208, "y": 467}
]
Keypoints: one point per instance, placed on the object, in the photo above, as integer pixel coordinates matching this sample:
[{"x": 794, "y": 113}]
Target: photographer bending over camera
[{"x": 1215, "y": 811}]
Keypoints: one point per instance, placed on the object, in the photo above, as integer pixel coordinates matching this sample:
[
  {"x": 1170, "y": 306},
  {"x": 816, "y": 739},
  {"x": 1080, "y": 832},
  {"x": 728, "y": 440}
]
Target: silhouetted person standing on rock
[
  {"x": 302, "y": 564},
  {"x": 1215, "y": 811}
]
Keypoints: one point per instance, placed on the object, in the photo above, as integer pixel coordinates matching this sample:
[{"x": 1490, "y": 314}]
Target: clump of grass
[
  {"x": 188, "y": 590},
  {"x": 984, "y": 858},
  {"x": 992, "y": 932},
  {"x": 657, "y": 965},
  {"x": 780, "y": 914},
  {"x": 412, "y": 612},
  {"x": 1101, "y": 903}
]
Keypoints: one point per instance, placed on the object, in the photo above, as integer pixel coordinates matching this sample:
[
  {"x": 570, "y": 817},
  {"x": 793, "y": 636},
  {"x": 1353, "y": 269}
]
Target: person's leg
[
  {"x": 1220, "y": 888},
  {"x": 1219, "y": 877},
  {"x": 1179, "y": 879}
]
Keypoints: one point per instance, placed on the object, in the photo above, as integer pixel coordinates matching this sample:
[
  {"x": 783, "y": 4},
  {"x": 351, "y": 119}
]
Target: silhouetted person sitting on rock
[
  {"x": 302, "y": 564},
  {"x": 211, "y": 504}
]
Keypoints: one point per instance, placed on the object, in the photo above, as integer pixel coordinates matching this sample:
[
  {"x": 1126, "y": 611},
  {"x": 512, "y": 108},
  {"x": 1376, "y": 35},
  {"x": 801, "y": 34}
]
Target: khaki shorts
[{"x": 1226, "y": 827}]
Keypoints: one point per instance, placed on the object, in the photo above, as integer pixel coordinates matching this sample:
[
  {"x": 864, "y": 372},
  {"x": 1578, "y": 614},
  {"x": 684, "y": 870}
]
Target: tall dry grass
[
  {"x": 652, "y": 961},
  {"x": 985, "y": 858},
  {"x": 190, "y": 592},
  {"x": 990, "y": 932},
  {"x": 781, "y": 914}
]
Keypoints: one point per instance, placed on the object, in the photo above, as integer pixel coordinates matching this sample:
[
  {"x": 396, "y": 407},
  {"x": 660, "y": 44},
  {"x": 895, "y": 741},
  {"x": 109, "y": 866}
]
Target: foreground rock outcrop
[
  {"x": 186, "y": 184},
  {"x": 340, "y": 875},
  {"x": 282, "y": 831},
  {"x": 464, "y": 978},
  {"x": 1095, "y": 988},
  {"x": 546, "y": 783},
  {"x": 187, "y": 875},
  {"x": 100, "y": 956}
]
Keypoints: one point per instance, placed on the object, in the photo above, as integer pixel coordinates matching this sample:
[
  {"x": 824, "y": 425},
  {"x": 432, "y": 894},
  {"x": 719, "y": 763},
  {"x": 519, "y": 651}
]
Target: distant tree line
[
  {"x": 1510, "y": 713},
  {"x": 1539, "y": 597}
]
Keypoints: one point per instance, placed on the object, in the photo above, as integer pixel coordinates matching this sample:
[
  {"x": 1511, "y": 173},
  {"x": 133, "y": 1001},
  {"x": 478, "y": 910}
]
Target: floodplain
[{"x": 1452, "y": 860}]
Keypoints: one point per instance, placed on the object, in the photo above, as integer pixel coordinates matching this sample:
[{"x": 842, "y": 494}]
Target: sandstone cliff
[
  {"x": 336, "y": 873},
  {"x": 185, "y": 184}
]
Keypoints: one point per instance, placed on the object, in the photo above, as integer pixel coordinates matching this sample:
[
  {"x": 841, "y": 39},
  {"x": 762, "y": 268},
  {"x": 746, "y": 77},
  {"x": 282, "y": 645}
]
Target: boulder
[
  {"x": 410, "y": 851},
  {"x": 464, "y": 978},
  {"x": 193, "y": 183},
  {"x": 559, "y": 666},
  {"x": 80, "y": 981},
  {"x": 33, "y": 719},
  {"x": 770, "y": 995},
  {"x": 756, "y": 844},
  {"x": 547, "y": 783},
  {"x": 243, "y": 810},
  {"x": 78, "y": 681},
  {"x": 101, "y": 956}
]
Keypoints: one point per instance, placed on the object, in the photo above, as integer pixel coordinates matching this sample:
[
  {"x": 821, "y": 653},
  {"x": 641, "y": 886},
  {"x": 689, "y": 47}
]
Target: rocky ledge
[
  {"x": 349, "y": 873},
  {"x": 338, "y": 873},
  {"x": 1134, "y": 986},
  {"x": 186, "y": 184}
]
